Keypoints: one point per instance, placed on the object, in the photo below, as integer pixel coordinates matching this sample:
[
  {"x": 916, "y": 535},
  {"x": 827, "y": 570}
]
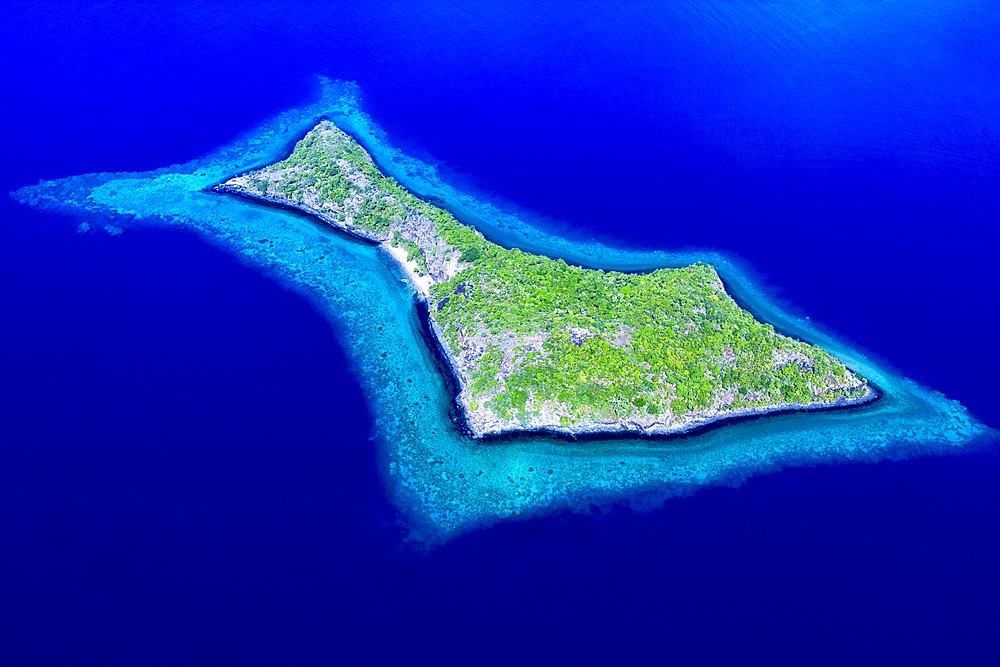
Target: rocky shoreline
[
  {"x": 285, "y": 205},
  {"x": 684, "y": 428}
]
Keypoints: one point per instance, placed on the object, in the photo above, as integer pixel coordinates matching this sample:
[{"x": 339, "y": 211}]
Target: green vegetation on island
[{"x": 540, "y": 344}]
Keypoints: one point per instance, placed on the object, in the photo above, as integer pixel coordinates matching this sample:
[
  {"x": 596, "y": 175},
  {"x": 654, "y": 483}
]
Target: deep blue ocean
[{"x": 186, "y": 475}]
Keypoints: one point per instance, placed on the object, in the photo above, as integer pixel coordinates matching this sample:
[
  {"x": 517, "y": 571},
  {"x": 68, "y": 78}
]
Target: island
[
  {"x": 537, "y": 344},
  {"x": 575, "y": 358}
]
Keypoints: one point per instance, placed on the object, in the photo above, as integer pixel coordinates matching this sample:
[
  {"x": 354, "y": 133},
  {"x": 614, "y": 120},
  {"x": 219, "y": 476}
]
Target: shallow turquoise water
[{"x": 443, "y": 482}]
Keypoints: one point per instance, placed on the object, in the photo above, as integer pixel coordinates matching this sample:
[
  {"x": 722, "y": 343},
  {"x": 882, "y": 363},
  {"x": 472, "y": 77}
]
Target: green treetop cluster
[{"x": 540, "y": 343}]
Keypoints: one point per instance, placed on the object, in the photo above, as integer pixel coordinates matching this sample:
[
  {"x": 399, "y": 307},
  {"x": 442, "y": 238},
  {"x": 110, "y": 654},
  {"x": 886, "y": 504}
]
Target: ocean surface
[{"x": 186, "y": 470}]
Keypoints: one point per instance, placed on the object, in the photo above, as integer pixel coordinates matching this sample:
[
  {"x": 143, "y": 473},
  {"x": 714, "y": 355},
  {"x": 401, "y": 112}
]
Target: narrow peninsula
[{"x": 536, "y": 344}]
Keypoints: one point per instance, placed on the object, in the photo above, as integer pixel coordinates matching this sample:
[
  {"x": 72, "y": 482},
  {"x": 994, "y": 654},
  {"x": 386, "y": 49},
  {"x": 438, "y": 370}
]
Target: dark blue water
[{"x": 185, "y": 470}]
